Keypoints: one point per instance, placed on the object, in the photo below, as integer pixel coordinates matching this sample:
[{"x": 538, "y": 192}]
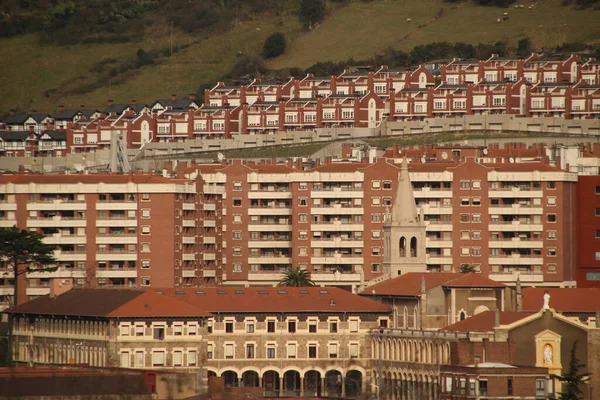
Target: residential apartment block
[{"x": 588, "y": 232}]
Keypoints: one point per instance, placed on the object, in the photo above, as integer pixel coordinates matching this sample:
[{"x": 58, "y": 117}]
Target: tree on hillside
[
  {"x": 274, "y": 45},
  {"x": 572, "y": 379},
  {"x": 311, "y": 11},
  {"x": 524, "y": 47},
  {"x": 296, "y": 277}
]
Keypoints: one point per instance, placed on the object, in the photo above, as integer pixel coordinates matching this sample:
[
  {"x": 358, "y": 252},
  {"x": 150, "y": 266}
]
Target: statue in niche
[{"x": 548, "y": 354}]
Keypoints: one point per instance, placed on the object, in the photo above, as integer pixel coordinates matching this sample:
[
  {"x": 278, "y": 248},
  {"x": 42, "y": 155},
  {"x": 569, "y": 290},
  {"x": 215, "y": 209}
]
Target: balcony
[
  {"x": 8, "y": 206},
  {"x": 427, "y": 192},
  {"x": 438, "y": 226},
  {"x": 336, "y": 277},
  {"x": 267, "y": 244},
  {"x": 263, "y": 227},
  {"x": 328, "y": 243},
  {"x": 116, "y": 238},
  {"x": 56, "y": 205},
  {"x": 516, "y": 243},
  {"x": 117, "y": 273},
  {"x": 516, "y": 259},
  {"x": 438, "y": 259},
  {"x": 57, "y": 221},
  {"x": 58, "y": 239},
  {"x": 189, "y": 206},
  {"x": 429, "y": 209},
  {"x": 117, "y": 205},
  {"x": 208, "y": 223},
  {"x": 37, "y": 291},
  {"x": 189, "y": 240},
  {"x": 189, "y": 223},
  {"x": 209, "y": 240},
  {"x": 438, "y": 243},
  {"x": 512, "y": 276},
  {"x": 213, "y": 189},
  {"x": 209, "y": 207},
  {"x": 516, "y": 209},
  {"x": 120, "y": 222},
  {"x": 7, "y": 223},
  {"x": 265, "y": 276},
  {"x": 337, "y": 226},
  {"x": 209, "y": 256},
  {"x": 269, "y": 210},
  {"x": 188, "y": 273},
  {"x": 515, "y": 226},
  {"x": 70, "y": 255},
  {"x": 209, "y": 273},
  {"x": 515, "y": 191},
  {"x": 116, "y": 256},
  {"x": 338, "y": 259},
  {"x": 59, "y": 273},
  {"x": 337, "y": 193},
  {"x": 338, "y": 209},
  {"x": 189, "y": 256},
  {"x": 269, "y": 195},
  {"x": 269, "y": 259}
]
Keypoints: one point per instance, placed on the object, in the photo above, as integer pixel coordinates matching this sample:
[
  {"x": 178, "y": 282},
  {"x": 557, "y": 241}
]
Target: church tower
[{"x": 404, "y": 231}]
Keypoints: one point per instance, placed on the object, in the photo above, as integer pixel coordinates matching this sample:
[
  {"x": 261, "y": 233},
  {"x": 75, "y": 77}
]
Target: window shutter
[
  {"x": 291, "y": 350},
  {"x": 158, "y": 358},
  {"x": 228, "y": 350},
  {"x": 353, "y": 326},
  {"x": 177, "y": 358}
]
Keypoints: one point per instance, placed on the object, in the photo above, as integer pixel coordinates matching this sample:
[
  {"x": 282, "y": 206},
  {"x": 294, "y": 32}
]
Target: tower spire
[{"x": 405, "y": 209}]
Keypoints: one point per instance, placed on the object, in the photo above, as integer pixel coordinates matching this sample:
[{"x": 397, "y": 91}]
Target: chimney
[
  {"x": 192, "y": 96},
  {"x": 173, "y": 97},
  {"x": 61, "y": 108},
  {"x": 134, "y": 101},
  {"x": 519, "y": 296},
  {"x": 21, "y": 169},
  {"x": 82, "y": 106},
  {"x": 497, "y": 318},
  {"x": 110, "y": 103},
  {"x": 59, "y": 286},
  {"x": 13, "y": 112}
]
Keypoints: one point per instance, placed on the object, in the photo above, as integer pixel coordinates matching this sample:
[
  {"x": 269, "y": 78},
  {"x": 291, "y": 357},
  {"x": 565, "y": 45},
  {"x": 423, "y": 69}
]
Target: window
[
  {"x": 387, "y": 185},
  {"x": 375, "y": 217},
  {"x": 303, "y": 235},
  {"x": 551, "y": 251},
  {"x": 145, "y": 213},
  {"x": 139, "y": 359},
  {"x": 139, "y": 330},
  {"x": 250, "y": 327},
  {"x": 145, "y": 281},
  {"x": 302, "y": 186},
  {"x": 145, "y": 248},
  {"x": 375, "y": 234},
  {"x": 192, "y": 329},
  {"x": 551, "y": 217},
  {"x": 375, "y": 267},
  {"x": 332, "y": 350},
  {"x": 597, "y": 189},
  {"x": 271, "y": 326},
  {"x": 177, "y": 358},
  {"x": 483, "y": 388},
  {"x": 292, "y": 326},
  {"x": 509, "y": 387},
  {"x": 376, "y": 251},
  {"x": 237, "y": 186},
  {"x": 376, "y": 185},
  {"x": 551, "y": 185},
  {"x": 312, "y": 326},
  {"x": 464, "y": 217},
  {"x": 597, "y": 212},
  {"x": 237, "y": 202},
  {"x": 237, "y": 267},
  {"x": 387, "y": 201},
  {"x": 465, "y": 185},
  {"x": 145, "y": 196},
  {"x": 291, "y": 350},
  {"x": 178, "y": 330},
  {"x": 476, "y": 184},
  {"x": 383, "y": 323},
  {"x": 270, "y": 351},
  {"x": 145, "y": 264},
  {"x": 228, "y": 326},
  {"x": 302, "y": 218},
  {"x": 303, "y": 201},
  {"x": 237, "y": 235},
  {"x": 551, "y": 268},
  {"x": 597, "y": 233},
  {"x": 228, "y": 351},
  {"x": 333, "y": 327},
  {"x": 237, "y": 251},
  {"x": 476, "y": 235},
  {"x": 312, "y": 351},
  {"x": 551, "y": 201},
  {"x": 476, "y": 217},
  {"x": 476, "y": 251},
  {"x": 540, "y": 387},
  {"x": 159, "y": 332},
  {"x": 237, "y": 218},
  {"x": 353, "y": 325},
  {"x": 376, "y": 201},
  {"x": 145, "y": 230},
  {"x": 464, "y": 251},
  {"x": 192, "y": 358},
  {"x": 476, "y": 201},
  {"x": 158, "y": 358},
  {"x": 302, "y": 251},
  {"x": 249, "y": 351},
  {"x": 551, "y": 235},
  {"x": 353, "y": 350}
]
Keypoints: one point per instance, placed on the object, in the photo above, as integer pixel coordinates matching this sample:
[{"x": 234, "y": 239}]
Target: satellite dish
[
  {"x": 220, "y": 156},
  {"x": 400, "y": 151},
  {"x": 485, "y": 151},
  {"x": 444, "y": 156},
  {"x": 511, "y": 160},
  {"x": 423, "y": 160}
]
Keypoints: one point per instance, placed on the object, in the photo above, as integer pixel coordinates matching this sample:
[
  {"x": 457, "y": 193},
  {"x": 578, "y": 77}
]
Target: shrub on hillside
[
  {"x": 311, "y": 12},
  {"x": 274, "y": 45}
]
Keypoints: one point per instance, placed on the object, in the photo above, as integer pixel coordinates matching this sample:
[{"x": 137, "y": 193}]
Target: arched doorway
[
  {"x": 333, "y": 384},
  {"x": 312, "y": 383},
  {"x": 250, "y": 379},
  {"x": 230, "y": 379},
  {"x": 271, "y": 383},
  {"x": 353, "y": 383},
  {"x": 291, "y": 383}
]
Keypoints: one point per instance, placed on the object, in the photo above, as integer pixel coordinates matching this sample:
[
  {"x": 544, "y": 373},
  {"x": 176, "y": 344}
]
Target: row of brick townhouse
[{"x": 310, "y": 342}]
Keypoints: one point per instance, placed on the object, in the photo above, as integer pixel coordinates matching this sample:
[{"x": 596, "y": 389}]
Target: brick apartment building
[{"x": 588, "y": 239}]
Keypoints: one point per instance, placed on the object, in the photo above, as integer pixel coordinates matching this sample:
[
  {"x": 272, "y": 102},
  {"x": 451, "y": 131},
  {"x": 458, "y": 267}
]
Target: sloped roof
[
  {"x": 562, "y": 299},
  {"x": 485, "y": 321},
  {"x": 67, "y": 114},
  {"x": 15, "y": 119},
  {"x": 410, "y": 284},
  {"x": 39, "y": 117},
  {"x": 274, "y": 299},
  {"x": 108, "y": 303},
  {"x": 473, "y": 280},
  {"x": 55, "y": 135},
  {"x": 14, "y": 135}
]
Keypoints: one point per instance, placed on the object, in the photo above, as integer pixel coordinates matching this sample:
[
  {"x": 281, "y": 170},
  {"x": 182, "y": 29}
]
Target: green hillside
[{"x": 38, "y": 73}]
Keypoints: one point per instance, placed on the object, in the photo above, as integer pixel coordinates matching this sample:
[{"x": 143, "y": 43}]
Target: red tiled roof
[
  {"x": 562, "y": 299},
  {"x": 473, "y": 280},
  {"x": 274, "y": 299},
  {"x": 81, "y": 178},
  {"x": 339, "y": 167},
  {"x": 410, "y": 284},
  {"x": 273, "y": 168},
  {"x": 152, "y": 304},
  {"x": 109, "y": 303},
  {"x": 484, "y": 322},
  {"x": 524, "y": 167}
]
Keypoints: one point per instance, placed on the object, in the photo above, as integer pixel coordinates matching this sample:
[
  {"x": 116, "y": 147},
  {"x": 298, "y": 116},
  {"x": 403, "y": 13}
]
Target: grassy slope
[{"x": 358, "y": 31}]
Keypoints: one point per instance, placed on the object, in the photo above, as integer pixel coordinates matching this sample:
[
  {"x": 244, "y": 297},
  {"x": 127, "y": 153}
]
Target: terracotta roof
[
  {"x": 484, "y": 322},
  {"x": 410, "y": 284},
  {"x": 473, "y": 280},
  {"x": 108, "y": 303},
  {"x": 275, "y": 299},
  {"x": 562, "y": 299},
  {"x": 152, "y": 304},
  {"x": 81, "y": 178},
  {"x": 339, "y": 167}
]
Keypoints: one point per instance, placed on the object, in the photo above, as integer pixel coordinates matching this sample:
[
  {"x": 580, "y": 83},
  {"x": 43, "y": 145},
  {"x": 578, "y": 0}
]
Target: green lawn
[{"x": 357, "y": 30}]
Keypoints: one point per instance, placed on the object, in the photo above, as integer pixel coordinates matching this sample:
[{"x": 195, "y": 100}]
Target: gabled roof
[
  {"x": 39, "y": 117},
  {"x": 14, "y": 135},
  {"x": 178, "y": 104},
  {"x": 485, "y": 321},
  {"x": 115, "y": 108},
  {"x": 67, "y": 114},
  {"x": 15, "y": 119},
  {"x": 562, "y": 299},
  {"x": 275, "y": 300},
  {"x": 54, "y": 135},
  {"x": 109, "y": 303},
  {"x": 410, "y": 284},
  {"x": 473, "y": 280}
]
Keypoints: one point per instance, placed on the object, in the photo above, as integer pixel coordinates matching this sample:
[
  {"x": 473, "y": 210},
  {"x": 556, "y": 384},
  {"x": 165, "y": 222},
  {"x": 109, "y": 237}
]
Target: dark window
[
  {"x": 597, "y": 189},
  {"x": 483, "y": 388},
  {"x": 249, "y": 351},
  {"x": 229, "y": 327},
  {"x": 312, "y": 327},
  {"x": 237, "y": 202},
  {"x": 551, "y": 217},
  {"x": 271, "y": 326},
  {"x": 333, "y": 327},
  {"x": 159, "y": 332},
  {"x": 597, "y": 212},
  {"x": 292, "y": 326},
  {"x": 509, "y": 387},
  {"x": 312, "y": 351},
  {"x": 383, "y": 323},
  {"x": 271, "y": 352}
]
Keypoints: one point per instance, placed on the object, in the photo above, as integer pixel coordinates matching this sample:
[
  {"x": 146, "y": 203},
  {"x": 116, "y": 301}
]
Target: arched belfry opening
[
  {"x": 402, "y": 246},
  {"x": 413, "y": 247}
]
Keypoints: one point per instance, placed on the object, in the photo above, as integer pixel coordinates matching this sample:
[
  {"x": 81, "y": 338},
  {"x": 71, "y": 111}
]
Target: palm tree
[{"x": 296, "y": 277}]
